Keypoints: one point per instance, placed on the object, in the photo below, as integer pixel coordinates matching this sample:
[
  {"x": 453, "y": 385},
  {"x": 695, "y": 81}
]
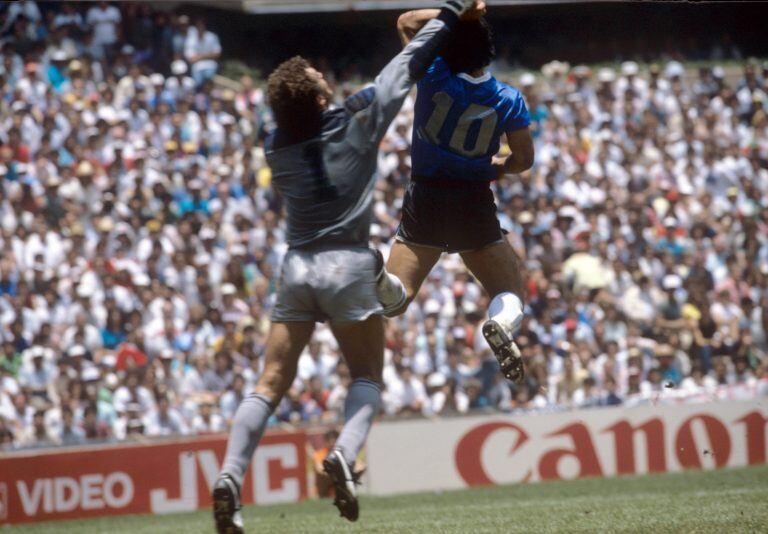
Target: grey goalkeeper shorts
[{"x": 327, "y": 284}]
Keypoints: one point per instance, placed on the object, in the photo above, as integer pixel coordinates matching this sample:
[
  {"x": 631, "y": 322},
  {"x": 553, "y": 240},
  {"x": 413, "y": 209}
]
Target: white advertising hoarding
[{"x": 454, "y": 453}]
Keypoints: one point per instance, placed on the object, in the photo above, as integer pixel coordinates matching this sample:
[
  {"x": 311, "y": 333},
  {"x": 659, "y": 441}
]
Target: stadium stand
[{"x": 141, "y": 240}]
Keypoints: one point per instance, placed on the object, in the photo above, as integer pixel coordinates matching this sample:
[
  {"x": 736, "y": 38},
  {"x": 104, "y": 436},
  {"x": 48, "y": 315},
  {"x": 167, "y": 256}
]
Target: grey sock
[
  {"x": 360, "y": 408},
  {"x": 248, "y": 426}
]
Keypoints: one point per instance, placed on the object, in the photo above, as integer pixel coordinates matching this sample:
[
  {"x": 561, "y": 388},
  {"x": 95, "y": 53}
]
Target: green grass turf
[{"x": 733, "y": 500}]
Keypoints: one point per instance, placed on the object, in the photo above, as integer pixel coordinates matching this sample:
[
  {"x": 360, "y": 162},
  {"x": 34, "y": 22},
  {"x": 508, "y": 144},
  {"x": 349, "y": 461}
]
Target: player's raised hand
[
  {"x": 477, "y": 10},
  {"x": 460, "y": 7}
]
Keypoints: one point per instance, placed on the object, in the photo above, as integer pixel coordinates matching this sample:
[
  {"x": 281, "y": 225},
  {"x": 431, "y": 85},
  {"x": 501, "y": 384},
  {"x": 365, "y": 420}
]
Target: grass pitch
[{"x": 734, "y": 500}]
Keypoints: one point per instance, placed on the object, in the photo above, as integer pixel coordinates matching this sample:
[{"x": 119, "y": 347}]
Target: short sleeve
[{"x": 518, "y": 116}]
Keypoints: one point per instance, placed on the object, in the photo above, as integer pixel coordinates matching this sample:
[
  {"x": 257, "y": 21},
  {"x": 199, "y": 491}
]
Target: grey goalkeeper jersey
[{"x": 327, "y": 182}]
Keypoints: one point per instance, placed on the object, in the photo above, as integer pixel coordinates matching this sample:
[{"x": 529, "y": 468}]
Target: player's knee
[
  {"x": 370, "y": 376},
  {"x": 370, "y": 372}
]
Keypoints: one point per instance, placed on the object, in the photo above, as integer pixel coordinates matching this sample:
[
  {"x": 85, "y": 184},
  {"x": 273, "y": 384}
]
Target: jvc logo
[{"x": 273, "y": 471}]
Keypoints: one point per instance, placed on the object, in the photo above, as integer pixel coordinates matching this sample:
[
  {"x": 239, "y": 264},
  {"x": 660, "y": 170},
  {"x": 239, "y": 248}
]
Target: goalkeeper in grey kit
[{"x": 324, "y": 161}]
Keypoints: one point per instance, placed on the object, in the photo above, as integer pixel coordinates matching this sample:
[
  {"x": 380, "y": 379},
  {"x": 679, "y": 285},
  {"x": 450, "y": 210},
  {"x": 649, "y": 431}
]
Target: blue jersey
[{"x": 459, "y": 121}]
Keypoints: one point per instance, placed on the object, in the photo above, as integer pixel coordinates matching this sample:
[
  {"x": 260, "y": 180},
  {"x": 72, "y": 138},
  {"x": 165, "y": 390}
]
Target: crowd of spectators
[{"x": 141, "y": 241}]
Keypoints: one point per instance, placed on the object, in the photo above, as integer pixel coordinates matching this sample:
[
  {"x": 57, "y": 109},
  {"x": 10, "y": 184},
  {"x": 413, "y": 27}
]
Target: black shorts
[{"x": 451, "y": 216}]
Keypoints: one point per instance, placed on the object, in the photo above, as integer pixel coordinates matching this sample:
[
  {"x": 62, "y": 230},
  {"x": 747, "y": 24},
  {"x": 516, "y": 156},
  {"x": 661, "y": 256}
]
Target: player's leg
[
  {"x": 498, "y": 269},
  {"x": 362, "y": 344},
  {"x": 411, "y": 264},
  {"x": 420, "y": 240},
  {"x": 285, "y": 343}
]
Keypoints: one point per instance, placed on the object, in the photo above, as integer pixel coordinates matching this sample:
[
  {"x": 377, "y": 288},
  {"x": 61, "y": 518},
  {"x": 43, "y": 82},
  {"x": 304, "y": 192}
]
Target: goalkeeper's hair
[
  {"x": 293, "y": 96},
  {"x": 469, "y": 46}
]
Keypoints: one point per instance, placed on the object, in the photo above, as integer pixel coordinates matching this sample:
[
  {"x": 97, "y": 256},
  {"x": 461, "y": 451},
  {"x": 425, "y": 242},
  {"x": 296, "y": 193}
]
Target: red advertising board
[{"x": 143, "y": 478}]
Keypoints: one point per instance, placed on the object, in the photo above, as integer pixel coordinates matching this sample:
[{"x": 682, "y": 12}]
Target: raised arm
[
  {"x": 394, "y": 82},
  {"x": 410, "y": 22}
]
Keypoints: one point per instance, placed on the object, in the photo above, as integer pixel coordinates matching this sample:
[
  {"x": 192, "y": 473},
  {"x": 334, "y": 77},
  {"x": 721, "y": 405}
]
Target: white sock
[{"x": 507, "y": 310}]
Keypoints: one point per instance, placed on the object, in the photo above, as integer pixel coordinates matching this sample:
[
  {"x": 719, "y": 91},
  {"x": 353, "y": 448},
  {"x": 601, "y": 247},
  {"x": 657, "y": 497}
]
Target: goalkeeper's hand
[
  {"x": 460, "y": 7},
  {"x": 475, "y": 12}
]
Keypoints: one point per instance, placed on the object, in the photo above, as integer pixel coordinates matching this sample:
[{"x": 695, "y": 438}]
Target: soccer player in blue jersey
[{"x": 461, "y": 115}]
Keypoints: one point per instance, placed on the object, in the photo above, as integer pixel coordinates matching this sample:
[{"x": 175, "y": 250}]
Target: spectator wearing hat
[
  {"x": 57, "y": 70},
  {"x": 667, "y": 365},
  {"x": 179, "y": 85},
  {"x": 670, "y": 313}
]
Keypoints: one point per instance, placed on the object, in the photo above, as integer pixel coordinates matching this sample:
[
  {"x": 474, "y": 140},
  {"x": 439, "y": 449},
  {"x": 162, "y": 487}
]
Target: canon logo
[{"x": 697, "y": 438}]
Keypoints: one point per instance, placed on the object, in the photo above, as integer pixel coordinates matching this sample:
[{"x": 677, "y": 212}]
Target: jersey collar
[{"x": 482, "y": 79}]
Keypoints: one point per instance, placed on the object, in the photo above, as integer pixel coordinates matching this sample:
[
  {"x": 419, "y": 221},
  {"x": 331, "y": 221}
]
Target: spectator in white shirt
[
  {"x": 133, "y": 394},
  {"x": 28, "y": 8},
  {"x": 207, "y": 421},
  {"x": 202, "y": 50},
  {"x": 68, "y": 17},
  {"x": 698, "y": 382},
  {"x": 444, "y": 396},
  {"x": 166, "y": 421},
  {"x": 405, "y": 394},
  {"x": 105, "y": 21}
]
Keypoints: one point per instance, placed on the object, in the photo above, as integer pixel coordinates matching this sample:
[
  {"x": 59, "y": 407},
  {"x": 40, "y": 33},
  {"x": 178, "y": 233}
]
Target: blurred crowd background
[{"x": 142, "y": 239}]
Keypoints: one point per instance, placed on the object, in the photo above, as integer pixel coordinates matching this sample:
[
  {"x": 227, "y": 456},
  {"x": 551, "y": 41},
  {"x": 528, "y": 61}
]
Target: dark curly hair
[
  {"x": 469, "y": 46},
  {"x": 292, "y": 95}
]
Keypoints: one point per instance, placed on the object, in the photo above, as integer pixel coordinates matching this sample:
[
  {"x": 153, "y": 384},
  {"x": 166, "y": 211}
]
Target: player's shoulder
[
  {"x": 506, "y": 91},
  {"x": 438, "y": 66},
  {"x": 437, "y": 73}
]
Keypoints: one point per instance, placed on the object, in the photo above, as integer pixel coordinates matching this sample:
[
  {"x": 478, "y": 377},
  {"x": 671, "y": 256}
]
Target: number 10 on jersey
[{"x": 475, "y": 112}]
